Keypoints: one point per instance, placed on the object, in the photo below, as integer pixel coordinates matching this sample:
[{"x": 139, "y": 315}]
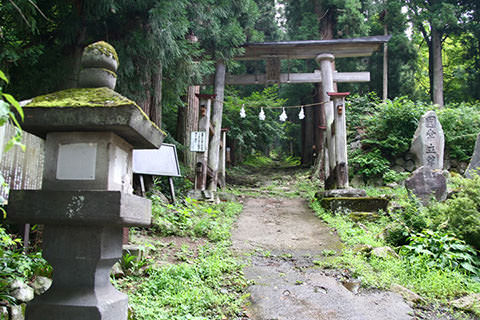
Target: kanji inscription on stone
[
  {"x": 431, "y": 122},
  {"x": 431, "y": 149},
  {"x": 428, "y": 142},
  {"x": 431, "y": 133}
]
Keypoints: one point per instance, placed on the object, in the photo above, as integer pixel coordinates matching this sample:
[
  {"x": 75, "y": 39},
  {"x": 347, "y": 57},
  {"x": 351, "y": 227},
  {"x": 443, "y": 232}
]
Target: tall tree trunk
[
  {"x": 385, "y": 65},
  {"x": 156, "y": 98},
  {"x": 217, "y": 112},
  {"x": 437, "y": 89},
  {"x": 71, "y": 80}
]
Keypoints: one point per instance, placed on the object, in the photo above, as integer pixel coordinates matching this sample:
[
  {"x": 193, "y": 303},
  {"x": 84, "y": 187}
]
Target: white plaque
[
  {"x": 198, "y": 141},
  {"x": 76, "y": 161},
  {"x": 159, "y": 162}
]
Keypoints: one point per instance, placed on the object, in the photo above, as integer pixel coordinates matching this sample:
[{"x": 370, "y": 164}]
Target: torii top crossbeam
[{"x": 309, "y": 49}]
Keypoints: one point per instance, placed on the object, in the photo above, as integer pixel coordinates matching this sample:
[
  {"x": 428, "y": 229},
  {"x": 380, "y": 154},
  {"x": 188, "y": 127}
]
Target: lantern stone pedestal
[{"x": 86, "y": 198}]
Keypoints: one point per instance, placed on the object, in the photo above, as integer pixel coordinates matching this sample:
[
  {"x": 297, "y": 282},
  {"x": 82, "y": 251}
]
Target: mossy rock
[
  {"x": 363, "y": 216},
  {"x": 100, "y": 55},
  {"x": 97, "y": 78},
  {"x": 357, "y": 204}
]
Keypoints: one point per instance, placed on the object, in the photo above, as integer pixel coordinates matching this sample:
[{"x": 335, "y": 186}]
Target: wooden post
[
  {"x": 308, "y": 141},
  {"x": 172, "y": 189},
  {"x": 341, "y": 161},
  {"x": 223, "y": 153},
  {"x": 325, "y": 61},
  {"x": 203, "y": 125},
  {"x": 190, "y": 124},
  {"x": 217, "y": 112}
]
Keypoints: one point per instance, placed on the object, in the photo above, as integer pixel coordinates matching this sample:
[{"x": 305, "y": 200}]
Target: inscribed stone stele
[{"x": 428, "y": 142}]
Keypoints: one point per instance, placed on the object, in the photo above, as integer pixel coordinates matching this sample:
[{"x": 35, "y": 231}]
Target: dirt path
[{"x": 282, "y": 238}]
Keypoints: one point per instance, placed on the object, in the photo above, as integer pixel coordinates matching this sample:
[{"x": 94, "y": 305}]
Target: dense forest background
[{"x": 166, "y": 46}]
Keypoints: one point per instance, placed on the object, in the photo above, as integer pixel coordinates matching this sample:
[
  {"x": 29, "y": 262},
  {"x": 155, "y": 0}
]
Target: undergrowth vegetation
[
  {"x": 385, "y": 130},
  {"x": 432, "y": 246},
  {"x": 204, "y": 282}
]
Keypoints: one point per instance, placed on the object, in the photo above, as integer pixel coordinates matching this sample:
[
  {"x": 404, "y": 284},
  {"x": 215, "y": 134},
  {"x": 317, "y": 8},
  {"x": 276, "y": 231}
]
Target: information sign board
[
  {"x": 157, "y": 162},
  {"x": 198, "y": 141}
]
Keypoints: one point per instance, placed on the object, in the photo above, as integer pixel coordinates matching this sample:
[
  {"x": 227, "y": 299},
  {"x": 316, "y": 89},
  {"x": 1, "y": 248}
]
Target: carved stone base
[{"x": 82, "y": 258}]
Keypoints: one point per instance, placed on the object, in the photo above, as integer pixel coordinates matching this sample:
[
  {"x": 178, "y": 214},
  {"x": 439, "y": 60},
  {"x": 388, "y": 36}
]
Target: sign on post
[
  {"x": 198, "y": 141},
  {"x": 159, "y": 162}
]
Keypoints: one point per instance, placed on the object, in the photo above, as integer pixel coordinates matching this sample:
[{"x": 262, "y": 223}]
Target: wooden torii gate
[{"x": 324, "y": 52}]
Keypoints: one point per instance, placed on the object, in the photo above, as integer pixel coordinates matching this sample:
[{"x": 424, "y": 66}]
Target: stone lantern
[{"x": 86, "y": 197}]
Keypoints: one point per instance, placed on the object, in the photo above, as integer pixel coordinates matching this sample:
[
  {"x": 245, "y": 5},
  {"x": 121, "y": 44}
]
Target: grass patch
[
  {"x": 210, "y": 286},
  {"x": 205, "y": 282},
  {"x": 429, "y": 281}
]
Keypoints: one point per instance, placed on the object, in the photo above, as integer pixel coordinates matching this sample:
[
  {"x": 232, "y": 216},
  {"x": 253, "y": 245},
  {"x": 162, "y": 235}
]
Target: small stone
[
  {"x": 352, "y": 285},
  {"x": 426, "y": 183},
  {"x": 469, "y": 303},
  {"x": 21, "y": 292},
  {"x": 225, "y": 196},
  {"x": 357, "y": 181},
  {"x": 356, "y": 145},
  {"x": 17, "y": 312},
  {"x": 384, "y": 252},
  {"x": 407, "y": 294},
  {"x": 362, "y": 248},
  {"x": 392, "y": 185},
  {"x": 409, "y": 165},
  {"x": 3, "y": 313},
  {"x": 41, "y": 284},
  {"x": 117, "y": 271},
  {"x": 195, "y": 194}
]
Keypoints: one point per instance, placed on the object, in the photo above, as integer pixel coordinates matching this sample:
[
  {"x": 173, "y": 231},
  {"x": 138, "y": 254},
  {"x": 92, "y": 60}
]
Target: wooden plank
[{"x": 316, "y": 77}]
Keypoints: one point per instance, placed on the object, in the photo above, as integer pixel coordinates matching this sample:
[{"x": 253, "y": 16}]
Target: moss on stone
[
  {"x": 85, "y": 97},
  {"x": 361, "y": 204},
  {"x": 104, "y": 48}
]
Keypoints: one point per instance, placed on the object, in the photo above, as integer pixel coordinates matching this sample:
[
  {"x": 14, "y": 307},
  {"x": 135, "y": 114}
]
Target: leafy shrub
[
  {"x": 461, "y": 125},
  {"x": 368, "y": 165},
  {"x": 392, "y": 127},
  {"x": 461, "y": 213},
  {"x": 15, "y": 264},
  {"x": 442, "y": 250}
]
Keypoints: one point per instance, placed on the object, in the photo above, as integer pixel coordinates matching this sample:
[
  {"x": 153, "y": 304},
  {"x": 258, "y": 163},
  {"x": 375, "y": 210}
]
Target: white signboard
[
  {"x": 157, "y": 162},
  {"x": 198, "y": 141}
]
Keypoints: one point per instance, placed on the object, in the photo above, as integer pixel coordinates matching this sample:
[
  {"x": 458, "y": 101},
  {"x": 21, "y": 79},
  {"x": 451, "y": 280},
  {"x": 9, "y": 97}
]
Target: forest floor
[
  {"x": 283, "y": 243},
  {"x": 283, "y": 240}
]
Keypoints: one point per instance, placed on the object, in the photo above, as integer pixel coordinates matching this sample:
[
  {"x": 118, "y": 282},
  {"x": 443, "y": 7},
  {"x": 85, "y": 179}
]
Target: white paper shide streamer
[
  {"x": 242, "y": 112},
  {"x": 261, "y": 115},
  {"x": 283, "y": 116},
  {"x": 301, "y": 114}
]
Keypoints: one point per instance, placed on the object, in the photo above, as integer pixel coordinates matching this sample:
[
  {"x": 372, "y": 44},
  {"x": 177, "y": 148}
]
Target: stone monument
[
  {"x": 428, "y": 142},
  {"x": 474, "y": 165},
  {"x": 86, "y": 197}
]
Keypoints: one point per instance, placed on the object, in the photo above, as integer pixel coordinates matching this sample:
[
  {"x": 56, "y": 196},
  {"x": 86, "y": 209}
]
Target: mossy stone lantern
[{"x": 86, "y": 197}]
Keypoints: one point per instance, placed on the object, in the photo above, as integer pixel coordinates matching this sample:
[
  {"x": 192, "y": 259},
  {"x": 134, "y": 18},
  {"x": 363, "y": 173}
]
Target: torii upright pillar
[
  {"x": 325, "y": 61},
  {"x": 341, "y": 160}
]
